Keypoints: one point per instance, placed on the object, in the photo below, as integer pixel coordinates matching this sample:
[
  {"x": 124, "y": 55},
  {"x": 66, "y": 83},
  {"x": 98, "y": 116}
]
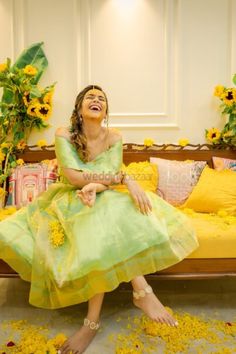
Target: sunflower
[
  {"x": 21, "y": 145},
  {"x": 43, "y": 111},
  {"x": 228, "y": 133},
  {"x": 20, "y": 162},
  {"x": 227, "y": 136},
  {"x": 213, "y": 135},
  {"x": 30, "y": 70},
  {"x": 228, "y": 97},
  {"x": 6, "y": 145},
  {"x": 2, "y": 156},
  {"x": 26, "y": 99},
  {"x": 234, "y": 94},
  {"x": 48, "y": 97},
  {"x": 33, "y": 105},
  {"x": 219, "y": 90},
  {"x": 3, "y": 67}
]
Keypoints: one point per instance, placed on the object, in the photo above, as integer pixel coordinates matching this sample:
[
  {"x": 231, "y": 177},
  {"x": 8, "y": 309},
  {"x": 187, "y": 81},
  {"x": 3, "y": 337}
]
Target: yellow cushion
[
  {"x": 215, "y": 190},
  {"x": 144, "y": 173},
  {"x": 216, "y": 235}
]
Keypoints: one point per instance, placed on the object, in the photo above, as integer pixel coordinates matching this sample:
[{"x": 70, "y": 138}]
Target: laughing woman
[{"x": 80, "y": 238}]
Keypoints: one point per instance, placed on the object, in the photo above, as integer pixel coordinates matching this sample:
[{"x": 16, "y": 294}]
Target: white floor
[{"x": 213, "y": 298}]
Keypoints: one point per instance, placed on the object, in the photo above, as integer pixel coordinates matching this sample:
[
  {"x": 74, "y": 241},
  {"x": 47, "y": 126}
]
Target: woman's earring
[
  {"x": 80, "y": 119},
  {"x": 106, "y": 121}
]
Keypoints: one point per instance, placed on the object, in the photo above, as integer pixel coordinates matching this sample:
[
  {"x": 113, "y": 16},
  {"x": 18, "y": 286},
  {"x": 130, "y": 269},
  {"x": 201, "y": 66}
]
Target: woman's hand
[
  {"x": 87, "y": 194},
  {"x": 139, "y": 197}
]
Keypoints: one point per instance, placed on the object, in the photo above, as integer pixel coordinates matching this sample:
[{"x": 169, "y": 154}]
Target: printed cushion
[
  {"x": 144, "y": 173},
  {"x": 215, "y": 191},
  {"x": 221, "y": 163},
  {"x": 29, "y": 180},
  {"x": 177, "y": 178}
]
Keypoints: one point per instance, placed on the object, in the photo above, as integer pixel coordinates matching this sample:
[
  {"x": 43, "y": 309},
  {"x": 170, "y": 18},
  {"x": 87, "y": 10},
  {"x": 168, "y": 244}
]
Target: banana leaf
[{"x": 34, "y": 55}]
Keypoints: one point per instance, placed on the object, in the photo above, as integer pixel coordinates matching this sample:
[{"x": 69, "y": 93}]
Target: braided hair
[{"x": 78, "y": 138}]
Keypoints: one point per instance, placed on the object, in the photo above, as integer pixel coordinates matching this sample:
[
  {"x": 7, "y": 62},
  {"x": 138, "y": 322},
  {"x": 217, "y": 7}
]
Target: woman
[{"x": 80, "y": 239}]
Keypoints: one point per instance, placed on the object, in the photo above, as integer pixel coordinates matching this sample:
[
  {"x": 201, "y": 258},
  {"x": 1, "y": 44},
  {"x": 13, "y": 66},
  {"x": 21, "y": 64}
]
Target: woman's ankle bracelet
[{"x": 91, "y": 324}]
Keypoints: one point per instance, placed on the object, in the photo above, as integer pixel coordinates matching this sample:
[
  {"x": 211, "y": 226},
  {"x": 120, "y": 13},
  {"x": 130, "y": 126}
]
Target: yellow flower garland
[{"x": 56, "y": 234}]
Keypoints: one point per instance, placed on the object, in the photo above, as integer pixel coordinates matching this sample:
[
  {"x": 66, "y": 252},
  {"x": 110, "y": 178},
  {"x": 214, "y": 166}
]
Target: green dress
[{"x": 70, "y": 252}]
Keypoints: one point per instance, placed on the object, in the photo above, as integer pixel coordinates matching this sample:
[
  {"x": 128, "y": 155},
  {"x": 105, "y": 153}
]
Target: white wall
[{"x": 158, "y": 60}]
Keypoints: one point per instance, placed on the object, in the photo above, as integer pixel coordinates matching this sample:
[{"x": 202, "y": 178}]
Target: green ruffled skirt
[{"x": 70, "y": 252}]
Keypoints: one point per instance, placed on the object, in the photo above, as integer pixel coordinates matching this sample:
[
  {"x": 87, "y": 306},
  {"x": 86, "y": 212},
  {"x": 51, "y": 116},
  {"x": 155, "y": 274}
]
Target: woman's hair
[{"x": 78, "y": 138}]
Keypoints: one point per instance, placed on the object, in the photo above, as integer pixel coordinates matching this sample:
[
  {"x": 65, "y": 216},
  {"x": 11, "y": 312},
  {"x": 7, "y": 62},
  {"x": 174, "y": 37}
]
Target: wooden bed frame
[{"x": 188, "y": 268}]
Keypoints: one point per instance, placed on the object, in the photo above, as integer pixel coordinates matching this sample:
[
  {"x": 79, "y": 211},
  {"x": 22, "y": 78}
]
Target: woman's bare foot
[
  {"x": 79, "y": 341},
  {"x": 154, "y": 309}
]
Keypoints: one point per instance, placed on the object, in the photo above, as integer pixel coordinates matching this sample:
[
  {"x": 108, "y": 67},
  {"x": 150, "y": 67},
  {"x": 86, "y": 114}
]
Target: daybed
[{"x": 216, "y": 256}]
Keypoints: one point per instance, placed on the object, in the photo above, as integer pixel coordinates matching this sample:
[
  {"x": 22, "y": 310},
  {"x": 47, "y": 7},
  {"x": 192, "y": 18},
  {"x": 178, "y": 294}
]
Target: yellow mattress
[{"x": 216, "y": 234}]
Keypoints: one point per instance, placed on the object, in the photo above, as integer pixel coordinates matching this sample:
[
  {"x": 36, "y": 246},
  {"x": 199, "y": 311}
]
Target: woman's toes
[
  {"x": 160, "y": 320},
  {"x": 64, "y": 349},
  {"x": 170, "y": 320}
]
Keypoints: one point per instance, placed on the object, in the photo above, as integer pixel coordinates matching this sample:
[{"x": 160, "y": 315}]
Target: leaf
[
  {"x": 8, "y": 62},
  {"x": 35, "y": 92},
  {"x": 7, "y": 98},
  {"x": 34, "y": 55},
  {"x": 18, "y": 136},
  {"x": 234, "y": 79},
  {"x": 232, "y": 117}
]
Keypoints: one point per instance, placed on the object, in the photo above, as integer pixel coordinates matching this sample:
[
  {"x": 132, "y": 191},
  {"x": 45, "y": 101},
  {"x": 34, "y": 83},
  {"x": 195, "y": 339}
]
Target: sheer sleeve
[
  {"x": 67, "y": 155},
  {"x": 107, "y": 161}
]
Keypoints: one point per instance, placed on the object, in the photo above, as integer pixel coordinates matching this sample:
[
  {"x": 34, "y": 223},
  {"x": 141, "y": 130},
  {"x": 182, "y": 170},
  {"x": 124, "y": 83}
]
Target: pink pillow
[
  {"x": 29, "y": 180},
  {"x": 221, "y": 163},
  {"x": 177, "y": 178}
]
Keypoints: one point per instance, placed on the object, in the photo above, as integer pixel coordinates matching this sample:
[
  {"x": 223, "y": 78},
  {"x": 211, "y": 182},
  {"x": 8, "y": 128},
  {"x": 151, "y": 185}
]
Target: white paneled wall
[{"x": 158, "y": 60}]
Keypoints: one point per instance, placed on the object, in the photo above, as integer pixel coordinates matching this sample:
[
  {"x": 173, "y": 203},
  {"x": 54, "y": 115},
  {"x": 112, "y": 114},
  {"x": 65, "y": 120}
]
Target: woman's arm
[
  {"x": 137, "y": 194},
  {"x": 80, "y": 179}
]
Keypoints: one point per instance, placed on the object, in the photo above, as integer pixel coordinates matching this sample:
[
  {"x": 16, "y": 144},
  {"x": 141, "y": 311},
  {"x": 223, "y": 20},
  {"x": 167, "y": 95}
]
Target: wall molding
[
  {"x": 18, "y": 26},
  {"x": 144, "y": 125},
  {"x": 171, "y": 68}
]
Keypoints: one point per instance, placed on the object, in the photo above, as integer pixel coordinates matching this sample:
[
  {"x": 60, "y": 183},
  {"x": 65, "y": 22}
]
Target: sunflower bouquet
[
  {"x": 228, "y": 106},
  {"x": 23, "y": 106}
]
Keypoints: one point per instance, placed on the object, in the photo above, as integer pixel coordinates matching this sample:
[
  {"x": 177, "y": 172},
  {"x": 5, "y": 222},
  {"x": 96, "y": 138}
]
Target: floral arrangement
[
  {"x": 228, "y": 106},
  {"x": 148, "y": 142},
  {"x": 24, "y": 106}
]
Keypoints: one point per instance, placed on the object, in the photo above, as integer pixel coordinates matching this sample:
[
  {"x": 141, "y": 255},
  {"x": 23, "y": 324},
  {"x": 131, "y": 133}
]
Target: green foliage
[
  {"x": 24, "y": 106},
  {"x": 228, "y": 106},
  {"x": 34, "y": 55}
]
